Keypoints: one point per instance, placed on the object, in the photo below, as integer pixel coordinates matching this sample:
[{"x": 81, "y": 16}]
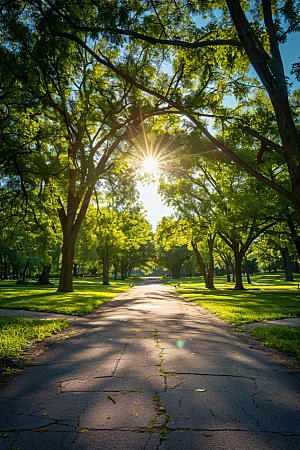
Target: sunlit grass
[
  {"x": 252, "y": 306},
  {"x": 258, "y": 281},
  {"x": 286, "y": 339},
  {"x": 271, "y": 298},
  {"x": 17, "y": 332},
  {"x": 88, "y": 294}
]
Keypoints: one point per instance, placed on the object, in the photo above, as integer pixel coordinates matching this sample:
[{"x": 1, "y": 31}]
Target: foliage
[
  {"x": 17, "y": 332},
  {"x": 171, "y": 245}
]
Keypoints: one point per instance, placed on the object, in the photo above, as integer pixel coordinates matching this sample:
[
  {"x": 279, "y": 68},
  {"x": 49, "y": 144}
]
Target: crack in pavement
[{"x": 164, "y": 400}]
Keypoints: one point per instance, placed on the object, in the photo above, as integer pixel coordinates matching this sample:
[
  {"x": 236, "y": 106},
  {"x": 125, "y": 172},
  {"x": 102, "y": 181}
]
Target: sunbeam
[{"x": 150, "y": 165}]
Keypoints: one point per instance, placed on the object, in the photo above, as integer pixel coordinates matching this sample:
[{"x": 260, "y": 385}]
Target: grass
[
  {"x": 239, "y": 307},
  {"x": 263, "y": 281},
  {"x": 268, "y": 298},
  {"x": 87, "y": 295},
  {"x": 286, "y": 339},
  {"x": 17, "y": 332},
  {"x": 271, "y": 298}
]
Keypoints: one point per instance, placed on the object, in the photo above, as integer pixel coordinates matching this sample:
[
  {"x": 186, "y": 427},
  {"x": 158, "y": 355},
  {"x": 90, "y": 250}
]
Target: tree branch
[
  {"x": 180, "y": 108},
  {"x": 269, "y": 143}
]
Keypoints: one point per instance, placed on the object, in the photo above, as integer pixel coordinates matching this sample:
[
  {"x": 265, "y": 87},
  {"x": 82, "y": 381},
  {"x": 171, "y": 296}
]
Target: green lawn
[
  {"x": 286, "y": 339},
  {"x": 239, "y": 307},
  {"x": 264, "y": 281},
  {"x": 269, "y": 297},
  {"x": 88, "y": 294},
  {"x": 17, "y": 332}
]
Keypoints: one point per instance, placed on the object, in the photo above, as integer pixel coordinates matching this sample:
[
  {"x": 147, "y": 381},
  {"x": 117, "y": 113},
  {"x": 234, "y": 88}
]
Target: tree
[
  {"x": 228, "y": 38},
  {"x": 218, "y": 196},
  {"x": 208, "y": 61},
  {"x": 89, "y": 112},
  {"x": 171, "y": 246}
]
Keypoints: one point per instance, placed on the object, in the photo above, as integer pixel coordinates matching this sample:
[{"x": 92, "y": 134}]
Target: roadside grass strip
[
  {"x": 238, "y": 307},
  {"x": 87, "y": 295},
  {"x": 16, "y": 333},
  {"x": 286, "y": 339}
]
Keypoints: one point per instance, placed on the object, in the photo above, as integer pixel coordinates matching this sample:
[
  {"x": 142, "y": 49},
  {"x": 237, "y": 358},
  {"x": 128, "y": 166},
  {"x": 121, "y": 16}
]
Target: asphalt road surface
[{"x": 149, "y": 370}]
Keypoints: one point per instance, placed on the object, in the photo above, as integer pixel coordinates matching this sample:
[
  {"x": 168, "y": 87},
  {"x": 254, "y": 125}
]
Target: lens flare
[{"x": 180, "y": 344}]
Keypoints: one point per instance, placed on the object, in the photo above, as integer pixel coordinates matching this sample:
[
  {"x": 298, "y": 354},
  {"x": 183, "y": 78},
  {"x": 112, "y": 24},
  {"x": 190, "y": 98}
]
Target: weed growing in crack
[{"x": 163, "y": 433}]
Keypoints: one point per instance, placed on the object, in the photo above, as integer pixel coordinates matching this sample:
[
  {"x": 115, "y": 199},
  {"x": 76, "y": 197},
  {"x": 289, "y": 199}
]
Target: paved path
[{"x": 151, "y": 371}]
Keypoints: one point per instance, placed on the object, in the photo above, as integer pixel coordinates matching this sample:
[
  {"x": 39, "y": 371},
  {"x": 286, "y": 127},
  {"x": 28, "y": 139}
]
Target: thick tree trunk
[
  {"x": 24, "y": 271},
  {"x": 287, "y": 264},
  {"x": 210, "y": 277},
  {"x": 177, "y": 268},
  {"x": 173, "y": 271},
  {"x": 66, "y": 273},
  {"x": 123, "y": 272},
  {"x": 238, "y": 274},
  {"x": 70, "y": 226},
  {"x": 238, "y": 259},
  {"x": 296, "y": 238},
  {"x": 105, "y": 263},
  {"x": 200, "y": 262},
  {"x": 44, "y": 277}
]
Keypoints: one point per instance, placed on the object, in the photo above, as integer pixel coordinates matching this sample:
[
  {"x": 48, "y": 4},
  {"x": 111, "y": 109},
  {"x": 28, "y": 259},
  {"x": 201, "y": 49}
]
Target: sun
[{"x": 150, "y": 165}]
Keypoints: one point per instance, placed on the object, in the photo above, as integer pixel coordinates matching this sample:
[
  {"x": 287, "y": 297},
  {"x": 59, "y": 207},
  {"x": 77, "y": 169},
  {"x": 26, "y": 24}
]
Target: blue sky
[{"x": 148, "y": 193}]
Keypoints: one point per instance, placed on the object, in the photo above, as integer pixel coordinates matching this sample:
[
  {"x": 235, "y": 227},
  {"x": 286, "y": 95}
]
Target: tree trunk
[
  {"x": 210, "y": 277},
  {"x": 200, "y": 262},
  {"x": 70, "y": 226},
  {"x": 247, "y": 270},
  {"x": 238, "y": 258},
  {"x": 66, "y": 273},
  {"x": 123, "y": 272},
  {"x": 228, "y": 271},
  {"x": 287, "y": 264},
  {"x": 24, "y": 271},
  {"x": 296, "y": 238},
  {"x": 115, "y": 272},
  {"x": 75, "y": 270},
  {"x": 105, "y": 262},
  {"x": 173, "y": 271},
  {"x": 44, "y": 277},
  {"x": 177, "y": 268},
  {"x": 295, "y": 267}
]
